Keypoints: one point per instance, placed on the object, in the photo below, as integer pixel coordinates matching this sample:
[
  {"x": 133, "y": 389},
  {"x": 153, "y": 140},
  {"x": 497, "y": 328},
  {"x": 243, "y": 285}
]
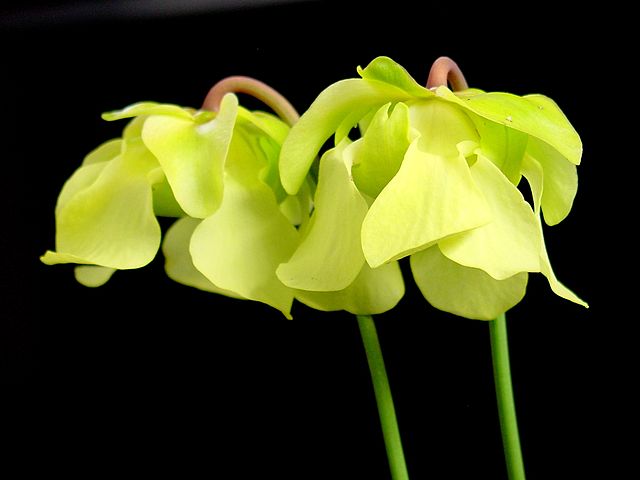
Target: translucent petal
[
  {"x": 240, "y": 246},
  {"x": 178, "y": 263},
  {"x": 386, "y": 70},
  {"x": 193, "y": 156},
  {"x": 382, "y": 149},
  {"x": 430, "y": 198},
  {"x": 442, "y": 126},
  {"x": 147, "y": 108},
  {"x": 330, "y": 256},
  {"x": 107, "y": 151},
  {"x": 507, "y": 245},
  {"x": 373, "y": 291},
  {"x": 535, "y": 115},
  {"x": 504, "y": 146},
  {"x": 110, "y": 221},
  {"x": 560, "y": 182},
  {"x": 322, "y": 119},
  {"x": 467, "y": 292},
  {"x": 93, "y": 275}
]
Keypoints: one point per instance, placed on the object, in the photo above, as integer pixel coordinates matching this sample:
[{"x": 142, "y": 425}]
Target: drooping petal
[
  {"x": 382, "y": 149},
  {"x": 430, "y": 198},
  {"x": 560, "y": 182},
  {"x": 507, "y": 245},
  {"x": 147, "y": 108},
  {"x": 330, "y": 256},
  {"x": 164, "y": 202},
  {"x": 373, "y": 291},
  {"x": 535, "y": 115},
  {"x": 178, "y": 263},
  {"x": 192, "y": 156},
  {"x": 240, "y": 246},
  {"x": 467, "y": 292},
  {"x": 93, "y": 275},
  {"x": 103, "y": 153},
  {"x": 110, "y": 222},
  {"x": 322, "y": 119},
  {"x": 386, "y": 70}
]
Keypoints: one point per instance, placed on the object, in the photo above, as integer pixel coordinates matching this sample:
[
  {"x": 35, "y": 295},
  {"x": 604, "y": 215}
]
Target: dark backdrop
[{"x": 145, "y": 375}]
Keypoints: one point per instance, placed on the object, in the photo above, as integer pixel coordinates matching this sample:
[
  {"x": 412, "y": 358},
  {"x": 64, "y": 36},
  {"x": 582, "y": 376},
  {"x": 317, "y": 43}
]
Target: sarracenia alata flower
[
  {"x": 217, "y": 173},
  {"x": 434, "y": 176}
]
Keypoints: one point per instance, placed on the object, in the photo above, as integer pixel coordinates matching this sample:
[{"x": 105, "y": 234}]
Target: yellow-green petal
[
  {"x": 507, "y": 245},
  {"x": 147, "y": 108},
  {"x": 373, "y": 291},
  {"x": 105, "y": 152},
  {"x": 193, "y": 156},
  {"x": 467, "y": 292},
  {"x": 323, "y": 118},
  {"x": 330, "y": 256},
  {"x": 430, "y": 198},
  {"x": 93, "y": 275},
  {"x": 382, "y": 149},
  {"x": 240, "y": 246},
  {"x": 535, "y": 115},
  {"x": 178, "y": 264},
  {"x": 386, "y": 70}
]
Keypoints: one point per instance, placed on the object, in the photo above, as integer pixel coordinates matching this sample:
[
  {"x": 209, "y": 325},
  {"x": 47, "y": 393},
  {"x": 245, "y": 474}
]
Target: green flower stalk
[{"x": 434, "y": 177}]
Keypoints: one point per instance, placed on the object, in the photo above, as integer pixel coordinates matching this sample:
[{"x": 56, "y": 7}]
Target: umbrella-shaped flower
[
  {"x": 216, "y": 172},
  {"x": 434, "y": 176}
]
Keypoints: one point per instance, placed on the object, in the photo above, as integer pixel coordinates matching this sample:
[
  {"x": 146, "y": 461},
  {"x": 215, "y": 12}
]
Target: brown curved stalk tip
[
  {"x": 260, "y": 90},
  {"x": 445, "y": 71}
]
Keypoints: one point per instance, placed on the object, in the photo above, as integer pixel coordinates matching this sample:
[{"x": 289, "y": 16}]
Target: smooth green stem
[
  {"x": 504, "y": 393},
  {"x": 384, "y": 400}
]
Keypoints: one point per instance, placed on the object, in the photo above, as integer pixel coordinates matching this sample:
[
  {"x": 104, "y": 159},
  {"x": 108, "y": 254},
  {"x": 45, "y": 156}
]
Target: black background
[{"x": 147, "y": 376}]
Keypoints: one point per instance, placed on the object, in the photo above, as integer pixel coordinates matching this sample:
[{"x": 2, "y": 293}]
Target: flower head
[{"x": 434, "y": 176}]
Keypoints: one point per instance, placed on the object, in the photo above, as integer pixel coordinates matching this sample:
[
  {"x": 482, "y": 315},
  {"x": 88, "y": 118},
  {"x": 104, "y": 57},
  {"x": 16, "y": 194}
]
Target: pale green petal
[
  {"x": 560, "y": 182},
  {"x": 386, "y": 70},
  {"x": 507, "y": 245},
  {"x": 330, "y": 256},
  {"x": 192, "y": 156},
  {"x": 240, "y": 246},
  {"x": 323, "y": 118},
  {"x": 147, "y": 108},
  {"x": 110, "y": 222},
  {"x": 442, "y": 126},
  {"x": 382, "y": 149},
  {"x": 267, "y": 123},
  {"x": 81, "y": 179},
  {"x": 532, "y": 171},
  {"x": 178, "y": 263},
  {"x": 467, "y": 292},
  {"x": 93, "y": 275},
  {"x": 535, "y": 115},
  {"x": 504, "y": 146},
  {"x": 164, "y": 202},
  {"x": 373, "y": 291},
  {"x": 430, "y": 198},
  {"x": 105, "y": 152}
]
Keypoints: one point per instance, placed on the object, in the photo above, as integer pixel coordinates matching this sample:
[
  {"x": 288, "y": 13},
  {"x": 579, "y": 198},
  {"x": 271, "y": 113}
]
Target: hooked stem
[
  {"x": 260, "y": 90},
  {"x": 445, "y": 71}
]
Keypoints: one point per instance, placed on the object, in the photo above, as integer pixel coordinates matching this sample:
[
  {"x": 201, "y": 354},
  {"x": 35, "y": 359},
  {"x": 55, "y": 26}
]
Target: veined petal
[
  {"x": 507, "y": 245},
  {"x": 322, "y": 119},
  {"x": 467, "y": 292},
  {"x": 535, "y": 115},
  {"x": 193, "y": 156},
  {"x": 110, "y": 222},
  {"x": 386, "y": 70},
  {"x": 430, "y": 198},
  {"x": 373, "y": 291},
  {"x": 178, "y": 263},
  {"x": 240, "y": 246},
  {"x": 560, "y": 182},
  {"x": 93, "y": 275},
  {"x": 330, "y": 256},
  {"x": 382, "y": 149}
]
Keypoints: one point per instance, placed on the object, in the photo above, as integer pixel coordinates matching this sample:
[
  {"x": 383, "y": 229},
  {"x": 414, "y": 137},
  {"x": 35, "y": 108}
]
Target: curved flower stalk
[
  {"x": 434, "y": 176},
  {"x": 216, "y": 172}
]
